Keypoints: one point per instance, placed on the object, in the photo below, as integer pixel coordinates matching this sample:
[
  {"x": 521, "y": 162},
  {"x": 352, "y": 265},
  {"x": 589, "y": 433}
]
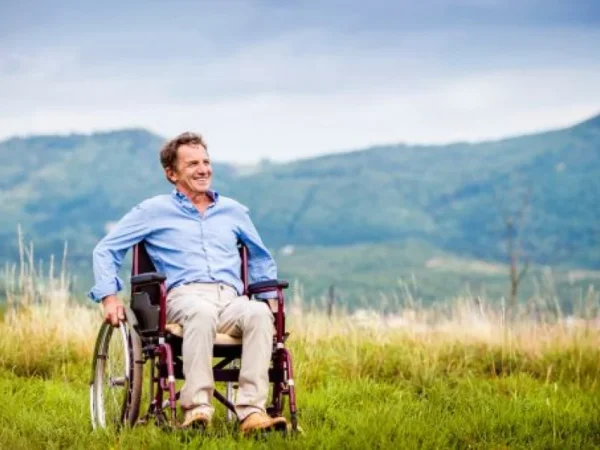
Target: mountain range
[{"x": 454, "y": 198}]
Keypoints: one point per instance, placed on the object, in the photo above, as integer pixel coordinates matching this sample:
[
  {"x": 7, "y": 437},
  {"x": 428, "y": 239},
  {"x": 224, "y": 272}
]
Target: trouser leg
[
  {"x": 196, "y": 309},
  {"x": 253, "y": 321}
]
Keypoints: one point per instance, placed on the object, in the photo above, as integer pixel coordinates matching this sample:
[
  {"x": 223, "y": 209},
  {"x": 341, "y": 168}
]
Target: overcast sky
[{"x": 283, "y": 79}]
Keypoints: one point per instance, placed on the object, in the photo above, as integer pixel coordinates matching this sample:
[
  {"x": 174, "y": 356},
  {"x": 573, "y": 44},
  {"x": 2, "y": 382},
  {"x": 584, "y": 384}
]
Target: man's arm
[
  {"x": 261, "y": 265},
  {"x": 108, "y": 258}
]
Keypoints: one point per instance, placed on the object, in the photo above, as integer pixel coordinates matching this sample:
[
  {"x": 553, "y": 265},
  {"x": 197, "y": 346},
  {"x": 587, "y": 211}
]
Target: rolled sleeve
[{"x": 104, "y": 288}]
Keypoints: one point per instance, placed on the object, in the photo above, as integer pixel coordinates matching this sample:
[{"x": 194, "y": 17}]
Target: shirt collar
[{"x": 185, "y": 201}]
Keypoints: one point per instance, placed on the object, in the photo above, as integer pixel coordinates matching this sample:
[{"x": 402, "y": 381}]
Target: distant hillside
[
  {"x": 450, "y": 197},
  {"x": 68, "y": 188}
]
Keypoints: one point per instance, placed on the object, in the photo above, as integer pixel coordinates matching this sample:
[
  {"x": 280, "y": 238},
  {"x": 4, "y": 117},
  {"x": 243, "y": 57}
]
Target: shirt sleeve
[
  {"x": 111, "y": 250},
  {"x": 261, "y": 265}
]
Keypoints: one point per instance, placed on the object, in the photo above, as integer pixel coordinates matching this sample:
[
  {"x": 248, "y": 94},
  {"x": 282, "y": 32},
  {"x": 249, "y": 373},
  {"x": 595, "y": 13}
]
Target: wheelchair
[{"x": 121, "y": 353}]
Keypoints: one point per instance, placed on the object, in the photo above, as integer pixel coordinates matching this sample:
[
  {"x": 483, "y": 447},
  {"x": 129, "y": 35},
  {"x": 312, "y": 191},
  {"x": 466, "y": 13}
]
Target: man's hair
[{"x": 168, "y": 154}]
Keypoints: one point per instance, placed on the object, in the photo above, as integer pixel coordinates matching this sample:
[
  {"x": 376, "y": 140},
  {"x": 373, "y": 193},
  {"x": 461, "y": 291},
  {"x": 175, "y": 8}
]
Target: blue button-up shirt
[{"x": 184, "y": 244}]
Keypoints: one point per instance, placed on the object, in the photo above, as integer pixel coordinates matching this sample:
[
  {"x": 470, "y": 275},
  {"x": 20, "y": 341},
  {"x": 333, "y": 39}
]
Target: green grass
[
  {"x": 466, "y": 412},
  {"x": 357, "y": 389}
]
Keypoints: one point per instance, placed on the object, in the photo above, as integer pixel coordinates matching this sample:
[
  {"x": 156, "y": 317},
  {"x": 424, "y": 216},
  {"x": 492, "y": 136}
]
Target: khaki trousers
[{"x": 203, "y": 309}]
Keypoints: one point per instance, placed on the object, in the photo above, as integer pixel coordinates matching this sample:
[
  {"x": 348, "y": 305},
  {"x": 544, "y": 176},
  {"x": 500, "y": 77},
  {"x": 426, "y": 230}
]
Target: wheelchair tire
[{"x": 117, "y": 372}]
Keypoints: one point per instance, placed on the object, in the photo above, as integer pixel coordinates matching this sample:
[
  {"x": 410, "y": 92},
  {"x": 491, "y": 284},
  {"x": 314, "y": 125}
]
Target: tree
[{"x": 514, "y": 216}]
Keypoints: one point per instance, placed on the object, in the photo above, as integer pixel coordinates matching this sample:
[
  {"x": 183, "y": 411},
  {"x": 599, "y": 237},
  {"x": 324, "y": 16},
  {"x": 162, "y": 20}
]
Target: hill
[{"x": 452, "y": 198}]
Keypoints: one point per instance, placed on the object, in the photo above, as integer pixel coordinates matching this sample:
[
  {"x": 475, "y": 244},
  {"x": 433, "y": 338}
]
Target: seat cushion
[{"x": 221, "y": 339}]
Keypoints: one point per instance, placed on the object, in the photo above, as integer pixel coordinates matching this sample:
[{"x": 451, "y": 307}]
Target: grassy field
[{"x": 457, "y": 378}]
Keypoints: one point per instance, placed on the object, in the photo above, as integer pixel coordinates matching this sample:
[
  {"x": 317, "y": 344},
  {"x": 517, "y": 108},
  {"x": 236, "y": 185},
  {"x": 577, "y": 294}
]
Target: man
[{"x": 191, "y": 236}]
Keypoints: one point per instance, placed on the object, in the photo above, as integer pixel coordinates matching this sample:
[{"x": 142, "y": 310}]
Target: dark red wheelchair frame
[{"x": 164, "y": 348}]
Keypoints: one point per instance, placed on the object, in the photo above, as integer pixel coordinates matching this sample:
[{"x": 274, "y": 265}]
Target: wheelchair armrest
[
  {"x": 149, "y": 277},
  {"x": 267, "y": 286}
]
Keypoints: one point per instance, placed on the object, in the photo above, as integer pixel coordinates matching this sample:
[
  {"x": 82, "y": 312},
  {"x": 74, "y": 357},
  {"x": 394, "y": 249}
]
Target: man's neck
[{"x": 200, "y": 200}]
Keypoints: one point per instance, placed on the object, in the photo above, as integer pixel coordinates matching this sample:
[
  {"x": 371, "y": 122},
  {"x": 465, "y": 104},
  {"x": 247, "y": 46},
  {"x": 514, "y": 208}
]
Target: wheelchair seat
[{"x": 221, "y": 339}]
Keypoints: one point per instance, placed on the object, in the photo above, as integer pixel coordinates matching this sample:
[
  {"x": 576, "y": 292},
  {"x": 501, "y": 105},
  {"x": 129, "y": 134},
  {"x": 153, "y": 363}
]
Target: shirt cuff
[{"x": 104, "y": 288}]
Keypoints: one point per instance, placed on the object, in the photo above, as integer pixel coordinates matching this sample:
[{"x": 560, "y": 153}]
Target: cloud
[
  {"x": 284, "y": 126},
  {"x": 297, "y": 88}
]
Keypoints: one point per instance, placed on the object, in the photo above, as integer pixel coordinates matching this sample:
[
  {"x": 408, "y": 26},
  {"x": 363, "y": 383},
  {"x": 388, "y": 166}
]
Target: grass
[
  {"x": 460, "y": 377},
  {"x": 450, "y": 412}
]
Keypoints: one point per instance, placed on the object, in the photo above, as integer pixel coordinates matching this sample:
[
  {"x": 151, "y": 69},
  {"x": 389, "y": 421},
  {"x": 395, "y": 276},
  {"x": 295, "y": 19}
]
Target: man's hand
[{"x": 114, "y": 312}]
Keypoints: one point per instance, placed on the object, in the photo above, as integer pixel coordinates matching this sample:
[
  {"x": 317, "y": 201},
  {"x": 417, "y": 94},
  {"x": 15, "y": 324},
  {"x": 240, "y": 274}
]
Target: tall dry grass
[
  {"x": 43, "y": 329},
  {"x": 46, "y": 332},
  {"x": 419, "y": 346}
]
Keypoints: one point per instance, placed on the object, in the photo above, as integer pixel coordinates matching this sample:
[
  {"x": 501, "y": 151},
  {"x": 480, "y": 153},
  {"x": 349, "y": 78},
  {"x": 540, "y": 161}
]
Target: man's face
[{"x": 192, "y": 173}]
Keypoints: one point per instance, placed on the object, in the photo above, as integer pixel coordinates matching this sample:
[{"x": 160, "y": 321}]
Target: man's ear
[{"x": 170, "y": 174}]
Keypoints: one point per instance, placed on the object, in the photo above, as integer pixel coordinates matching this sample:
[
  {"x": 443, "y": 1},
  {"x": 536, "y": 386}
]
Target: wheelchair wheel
[{"x": 116, "y": 387}]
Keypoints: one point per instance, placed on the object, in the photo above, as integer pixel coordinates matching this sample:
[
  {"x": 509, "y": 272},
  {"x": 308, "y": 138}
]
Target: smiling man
[{"x": 191, "y": 235}]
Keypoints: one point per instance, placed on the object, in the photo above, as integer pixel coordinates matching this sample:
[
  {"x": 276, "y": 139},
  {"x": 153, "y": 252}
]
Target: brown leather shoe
[
  {"x": 260, "y": 421},
  {"x": 194, "y": 418}
]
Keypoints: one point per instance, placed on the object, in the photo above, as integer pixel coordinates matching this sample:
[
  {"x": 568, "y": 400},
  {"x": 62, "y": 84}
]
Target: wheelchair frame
[{"x": 148, "y": 338}]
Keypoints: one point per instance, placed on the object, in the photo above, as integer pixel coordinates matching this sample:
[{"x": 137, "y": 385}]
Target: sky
[{"x": 292, "y": 79}]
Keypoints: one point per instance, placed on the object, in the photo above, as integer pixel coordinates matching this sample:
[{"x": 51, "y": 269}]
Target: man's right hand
[{"x": 114, "y": 312}]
